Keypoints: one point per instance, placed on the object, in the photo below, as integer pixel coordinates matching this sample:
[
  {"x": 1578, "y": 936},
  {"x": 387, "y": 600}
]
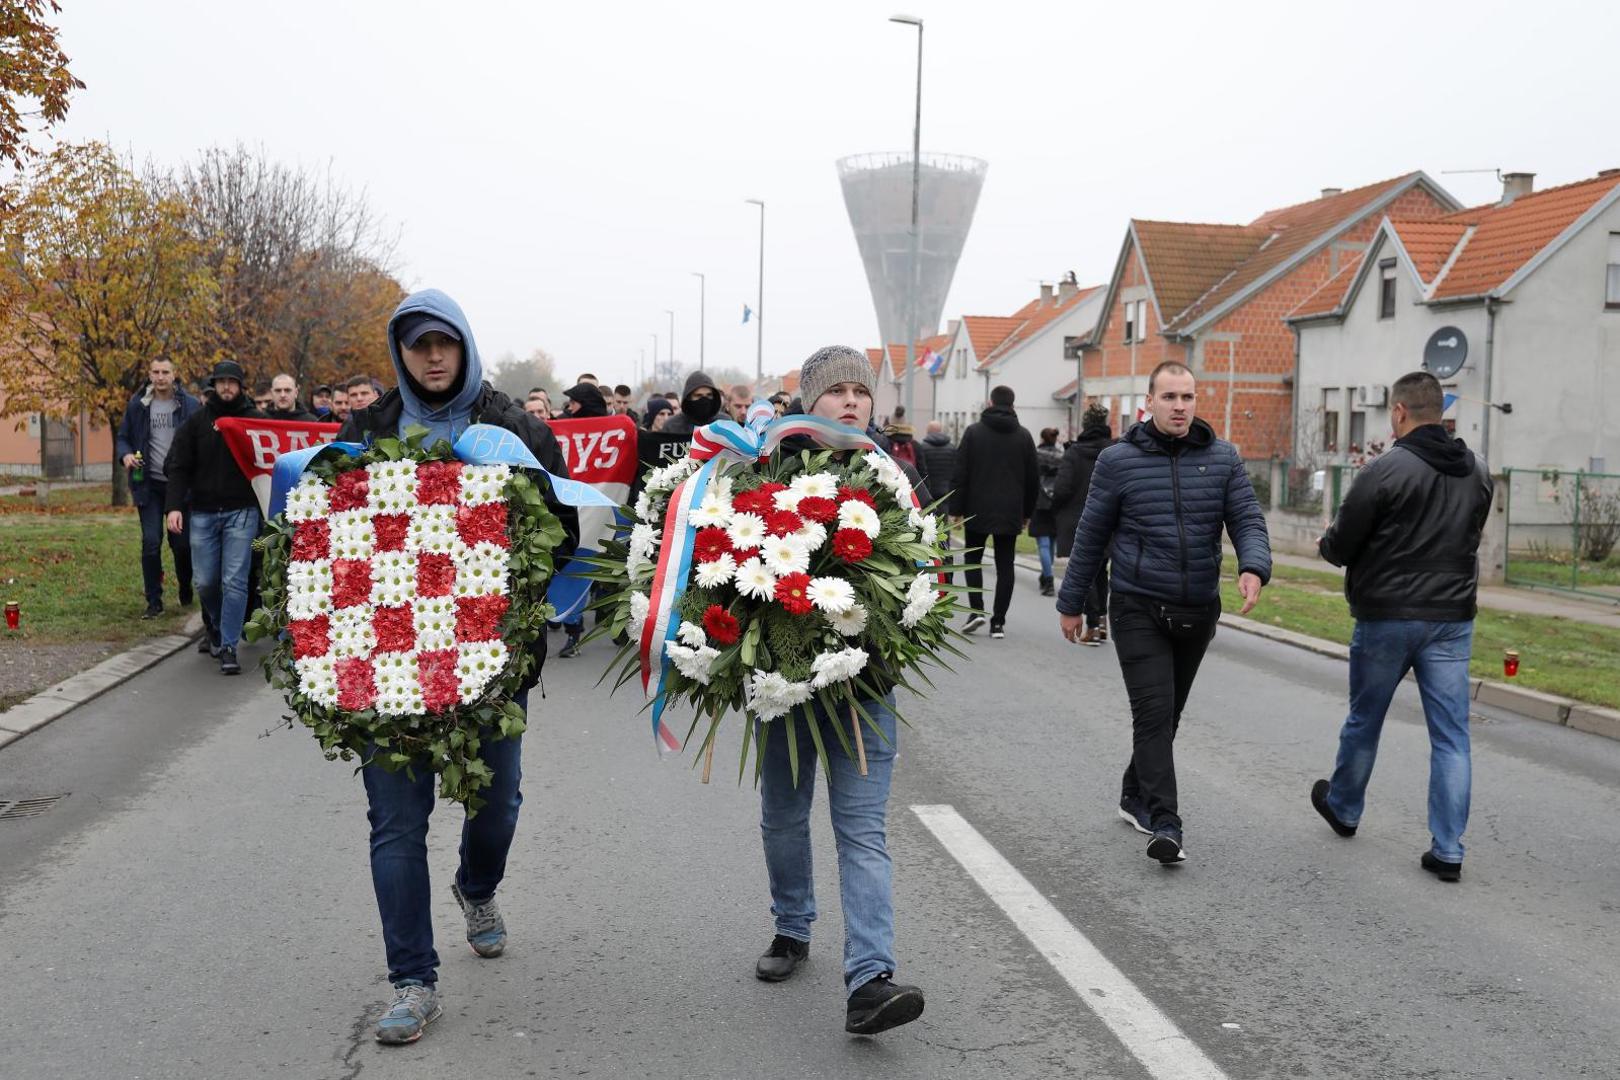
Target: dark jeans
[
  {"x": 399, "y": 810},
  {"x": 1159, "y": 669},
  {"x": 152, "y": 534},
  {"x": 1006, "y": 545}
]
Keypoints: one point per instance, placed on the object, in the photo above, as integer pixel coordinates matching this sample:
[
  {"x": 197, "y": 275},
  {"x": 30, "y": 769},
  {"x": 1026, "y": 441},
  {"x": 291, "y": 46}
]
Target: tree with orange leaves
[{"x": 33, "y": 69}]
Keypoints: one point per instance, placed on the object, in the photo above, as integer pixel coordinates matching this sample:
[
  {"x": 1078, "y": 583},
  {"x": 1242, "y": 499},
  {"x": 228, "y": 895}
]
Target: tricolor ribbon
[{"x": 715, "y": 444}]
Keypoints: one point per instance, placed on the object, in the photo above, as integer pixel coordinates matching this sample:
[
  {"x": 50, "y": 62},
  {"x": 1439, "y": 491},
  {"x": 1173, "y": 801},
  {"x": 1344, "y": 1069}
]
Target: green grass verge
[
  {"x": 1557, "y": 656},
  {"x": 64, "y": 500},
  {"x": 77, "y": 578}
]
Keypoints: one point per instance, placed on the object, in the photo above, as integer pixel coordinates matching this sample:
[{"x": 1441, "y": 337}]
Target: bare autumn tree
[
  {"x": 303, "y": 264},
  {"x": 100, "y": 275},
  {"x": 34, "y": 76},
  {"x": 515, "y": 378}
]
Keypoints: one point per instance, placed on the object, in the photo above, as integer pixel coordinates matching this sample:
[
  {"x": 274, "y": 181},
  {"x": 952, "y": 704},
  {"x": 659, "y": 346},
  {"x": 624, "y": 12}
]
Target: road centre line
[{"x": 1150, "y": 1035}]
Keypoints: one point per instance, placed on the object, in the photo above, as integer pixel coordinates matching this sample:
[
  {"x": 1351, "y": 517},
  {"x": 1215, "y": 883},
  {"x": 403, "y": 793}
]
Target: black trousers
[
  {"x": 1159, "y": 668},
  {"x": 1006, "y": 547}
]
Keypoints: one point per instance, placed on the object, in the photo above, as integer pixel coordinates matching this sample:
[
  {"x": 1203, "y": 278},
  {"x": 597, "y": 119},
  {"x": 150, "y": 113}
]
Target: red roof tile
[
  {"x": 1429, "y": 243},
  {"x": 1326, "y": 300},
  {"x": 988, "y": 331},
  {"x": 1037, "y": 315},
  {"x": 1185, "y": 260},
  {"x": 1505, "y": 238}
]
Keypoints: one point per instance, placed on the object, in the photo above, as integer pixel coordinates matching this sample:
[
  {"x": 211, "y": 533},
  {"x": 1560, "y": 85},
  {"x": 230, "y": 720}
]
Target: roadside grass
[
  {"x": 77, "y": 578},
  {"x": 96, "y": 498},
  {"x": 1556, "y": 656},
  {"x": 1564, "y": 574}
]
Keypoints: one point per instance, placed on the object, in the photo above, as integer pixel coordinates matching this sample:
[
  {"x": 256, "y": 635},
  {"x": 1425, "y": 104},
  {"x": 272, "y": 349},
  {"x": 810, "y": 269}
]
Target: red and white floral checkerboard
[{"x": 397, "y": 585}]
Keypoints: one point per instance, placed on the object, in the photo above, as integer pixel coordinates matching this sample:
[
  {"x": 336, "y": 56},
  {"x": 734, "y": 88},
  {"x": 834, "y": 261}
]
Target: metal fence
[{"x": 1563, "y": 531}]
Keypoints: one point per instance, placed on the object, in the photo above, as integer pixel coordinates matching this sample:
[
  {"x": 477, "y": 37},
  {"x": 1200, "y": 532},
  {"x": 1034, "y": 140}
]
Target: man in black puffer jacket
[
  {"x": 1162, "y": 495},
  {"x": 936, "y": 460},
  {"x": 1408, "y": 536},
  {"x": 997, "y": 484},
  {"x": 1069, "y": 498}
]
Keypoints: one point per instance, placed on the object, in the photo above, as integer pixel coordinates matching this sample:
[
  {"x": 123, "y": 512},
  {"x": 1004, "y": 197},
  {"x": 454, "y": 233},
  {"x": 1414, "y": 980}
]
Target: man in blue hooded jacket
[{"x": 441, "y": 388}]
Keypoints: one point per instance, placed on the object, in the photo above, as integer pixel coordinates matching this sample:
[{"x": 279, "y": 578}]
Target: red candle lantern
[
  {"x": 1510, "y": 663},
  {"x": 13, "y": 615}
]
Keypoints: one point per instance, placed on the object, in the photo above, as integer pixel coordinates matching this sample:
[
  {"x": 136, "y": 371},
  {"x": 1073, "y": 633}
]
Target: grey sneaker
[
  {"x": 416, "y": 1005},
  {"x": 486, "y": 930}
]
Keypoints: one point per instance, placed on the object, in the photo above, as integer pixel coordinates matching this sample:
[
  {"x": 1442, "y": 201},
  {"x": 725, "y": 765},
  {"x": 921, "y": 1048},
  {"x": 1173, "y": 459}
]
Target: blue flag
[{"x": 747, "y": 314}]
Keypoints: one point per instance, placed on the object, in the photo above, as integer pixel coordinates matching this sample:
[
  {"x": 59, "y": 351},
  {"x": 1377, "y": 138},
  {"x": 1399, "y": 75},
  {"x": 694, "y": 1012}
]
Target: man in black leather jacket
[{"x": 1408, "y": 535}]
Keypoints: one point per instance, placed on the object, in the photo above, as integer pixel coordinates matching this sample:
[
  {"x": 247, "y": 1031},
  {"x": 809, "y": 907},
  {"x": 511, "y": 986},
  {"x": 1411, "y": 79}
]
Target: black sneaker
[
  {"x": 1046, "y": 585},
  {"x": 205, "y": 645},
  {"x": 227, "y": 661},
  {"x": 880, "y": 1005},
  {"x": 1319, "y": 794},
  {"x": 998, "y": 630},
  {"x": 974, "y": 624},
  {"x": 153, "y": 611},
  {"x": 780, "y": 960},
  {"x": 185, "y": 597},
  {"x": 1445, "y": 871},
  {"x": 1166, "y": 845},
  {"x": 570, "y": 650},
  {"x": 1135, "y": 812}
]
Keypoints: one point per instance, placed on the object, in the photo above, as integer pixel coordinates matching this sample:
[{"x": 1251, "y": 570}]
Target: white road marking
[{"x": 1150, "y": 1035}]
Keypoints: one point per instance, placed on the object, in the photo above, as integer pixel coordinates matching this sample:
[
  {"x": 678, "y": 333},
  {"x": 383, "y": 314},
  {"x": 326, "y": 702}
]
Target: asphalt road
[{"x": 199, "y": 904}]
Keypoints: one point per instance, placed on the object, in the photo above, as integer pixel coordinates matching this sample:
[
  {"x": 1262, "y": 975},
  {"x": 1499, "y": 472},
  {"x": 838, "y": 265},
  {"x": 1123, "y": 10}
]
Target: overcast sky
[{"x": 563, "y": 168}]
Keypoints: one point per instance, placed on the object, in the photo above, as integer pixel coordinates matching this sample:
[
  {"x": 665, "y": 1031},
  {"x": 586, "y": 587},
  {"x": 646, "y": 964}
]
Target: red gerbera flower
[
  {"x": 752, "y": 502},
  {"x": 793, "y": 593},
  {"x": 390, "y": 530},
  {"x": 846, "y": 494},
  {"x": 438, "y": 482},
  {"x": 783, "y": 523},
  {"x": 312, "y": 540},
  {"x": 720, "y": 624},
  {"x": 851, "y": 545},
  {"x": 350, "y": 490},
  {"x": 770, "y": 488},
  {"x": 710, "y": 544},
  {"x": 436, "y": 671},
  {"x": 821, "y": 511}
]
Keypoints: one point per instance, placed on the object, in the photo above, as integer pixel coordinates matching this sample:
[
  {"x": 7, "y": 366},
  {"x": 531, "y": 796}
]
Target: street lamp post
[
  {"x": 655, "y": 356},
  {"x": 916, "y": 181},
  {"x": 671, "y": 315},
  {"x": 759, "y": 303},
  {"x": 703, "y": 316}
]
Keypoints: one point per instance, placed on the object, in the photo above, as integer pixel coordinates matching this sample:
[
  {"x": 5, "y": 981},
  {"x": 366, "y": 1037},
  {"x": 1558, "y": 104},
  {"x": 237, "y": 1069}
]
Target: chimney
[
  {"x": 952, "y": 326},
  {"x": 1608, "y": 172},
  {"x": 1515, "y": 184},
  {"x": 1068, "y": 286},
  {"x": 1046, "y": 292},
  {"x": 1329, "y": 192}
]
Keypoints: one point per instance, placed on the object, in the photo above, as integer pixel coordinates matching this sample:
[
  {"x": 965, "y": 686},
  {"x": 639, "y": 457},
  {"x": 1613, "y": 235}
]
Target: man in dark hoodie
[
  {"x": 997, "y": 485},
  {"x": 441, "y": 387},
  {"x": 1161, "y": 496},
  {"x": 224, "y": 511},
  {"x": 1069, "y": 493},
  {"x": 700, "y": 404},
  {"x": 1407, "y": 535}
]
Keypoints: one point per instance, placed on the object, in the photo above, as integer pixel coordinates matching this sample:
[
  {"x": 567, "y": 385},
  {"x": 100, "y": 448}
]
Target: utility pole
[
  {"x": 703, "y": 308},
  {"x": 916, "y": 182},
  {"x": 671, "y": 315},
  {"x": 759, "y": 304}
]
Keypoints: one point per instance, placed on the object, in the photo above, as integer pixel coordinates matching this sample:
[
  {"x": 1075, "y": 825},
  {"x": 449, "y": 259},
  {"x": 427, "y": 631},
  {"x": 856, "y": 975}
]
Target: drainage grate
[{"x": 21, "y": 808}]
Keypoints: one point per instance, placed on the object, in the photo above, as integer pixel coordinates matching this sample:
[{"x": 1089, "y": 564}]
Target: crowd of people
[{"x": 1140, "y": 519}]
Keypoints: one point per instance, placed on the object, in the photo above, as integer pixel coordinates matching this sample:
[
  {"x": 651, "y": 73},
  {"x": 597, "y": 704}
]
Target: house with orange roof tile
[
  {"x": 1215, "y": 297},
  {"x": 1515, "y": 306}
]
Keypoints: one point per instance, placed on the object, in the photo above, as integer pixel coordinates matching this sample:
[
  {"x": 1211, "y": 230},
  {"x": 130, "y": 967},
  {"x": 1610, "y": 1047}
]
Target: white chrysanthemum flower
[
  {"x": 309, "y": 589},
  {"x": 901, "y": 488},
  {"x": 811, "y": 536},
  {"x": 393, "y": 579},
  {"x": 433, "y": 529},
  {"x": 317, "y": 678},
  {"x": 883, "y": 465},
  {"x": 434, "y": 618},
  {"x": 399, "y": 690},
  {"x": 857, "y": 515},
  {"x": 746, "y": 531},
  {"x": 831, "y": 594},
  {"x": 353, "y": 535},
  {"x": 713, "y": 574},
  {"x": 352, "y": 635},
  {"x": 646, "y": 506},
  {"x": 921, "y": 585},
  {"x": 787, "y": 500},
  {"x": 643, "y": 539},
  {"x": 755, "y": 581},
  {"x": 837, "y": 667},
  {"x": 821, "y": 485},
  {"x": 637, "y": 566},
  {"x": 309, "y": 500},
  {"x": 927, "y": 527},
  {"x": 784, "y": 555},
  {"x": 921, "y": 596},
  {"x": 391, "y": 501},
  {"x": 849, "y": 623},
  {"x": 639, "y": 607},
  {"x": 691, "y": 634},
  {"x": 480, "y": 570},
  {"x": 478, "y": 663},
  {"x": 712, "y": 511},
  {"x": 693, "y": 661},
  {"x": 771, "y": 695}
]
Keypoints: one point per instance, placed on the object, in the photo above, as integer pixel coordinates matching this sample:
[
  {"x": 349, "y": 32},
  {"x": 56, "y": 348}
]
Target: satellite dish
[{"x": 1445, "y": 352}]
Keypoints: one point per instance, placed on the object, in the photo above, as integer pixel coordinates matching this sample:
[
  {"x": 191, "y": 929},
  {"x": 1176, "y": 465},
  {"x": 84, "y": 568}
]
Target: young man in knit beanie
[{"x": 835, "y": 385}]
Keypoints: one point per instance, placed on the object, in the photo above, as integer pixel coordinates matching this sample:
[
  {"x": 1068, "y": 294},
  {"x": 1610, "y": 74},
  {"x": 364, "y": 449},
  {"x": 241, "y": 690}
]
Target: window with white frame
[
  {"x": 1386, "y": 289},
  {"x": 1330, "y": 420},
  {"x": 1141, "y": 320},
  {"x": 1129, "y": 310},
  {"x": 1611, "y": 295}
]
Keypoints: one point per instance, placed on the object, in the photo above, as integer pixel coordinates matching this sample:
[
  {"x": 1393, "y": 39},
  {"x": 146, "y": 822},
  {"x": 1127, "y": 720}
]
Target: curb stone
[
  {"x": 1534, "y": 704},
  {"x": 35, "y": 712}
]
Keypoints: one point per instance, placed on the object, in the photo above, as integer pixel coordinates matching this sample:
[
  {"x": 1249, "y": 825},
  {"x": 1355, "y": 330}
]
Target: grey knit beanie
[{"x": 830, "y": 366}]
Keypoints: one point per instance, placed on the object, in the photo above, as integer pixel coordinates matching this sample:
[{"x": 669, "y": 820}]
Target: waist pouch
[{"x": 1186, "y": 622}]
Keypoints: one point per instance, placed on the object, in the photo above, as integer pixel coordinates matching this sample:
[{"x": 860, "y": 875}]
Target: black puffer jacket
[
  {"x": 1163, "y": 503},
  {"x": 202, "y": 473},
  {"x": 997, "y": 480},
  {"x": 1074, "y": 482},
  {"x": 936, "y": 461},
  {"x": 1408, "y": 531},
  {"x": 1048, "y": 457}
]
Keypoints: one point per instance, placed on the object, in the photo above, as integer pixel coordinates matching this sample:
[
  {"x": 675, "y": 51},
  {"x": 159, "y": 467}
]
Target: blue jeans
[
  {"x": 1381, "y": 653},
  {"x": 399, "y": 807},
  {"x": 1043, "y": 544},
  {"x": 859, "y": 807},
  {"x": 153, "y": 531},
  {"x": 221, "y": 553}
]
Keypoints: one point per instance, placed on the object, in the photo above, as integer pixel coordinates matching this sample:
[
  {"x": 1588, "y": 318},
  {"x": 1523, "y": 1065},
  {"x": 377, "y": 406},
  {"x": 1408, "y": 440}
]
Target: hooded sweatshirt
[
  {"x": 997, "y": 479},
  {"x": 694, "y": 413},
  {"x": 446, "y": 415},
  {"x": 589, "y": 399}
]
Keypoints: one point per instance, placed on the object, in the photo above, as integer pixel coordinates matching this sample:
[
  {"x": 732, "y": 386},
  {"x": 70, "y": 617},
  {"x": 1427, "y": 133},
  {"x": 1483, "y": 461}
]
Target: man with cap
[
  {"x": 441, "y": 388},
  {"x": 835, "y": 383},
  {"x": 657, "y": 413},
  {"x": 224, "y": 511}
]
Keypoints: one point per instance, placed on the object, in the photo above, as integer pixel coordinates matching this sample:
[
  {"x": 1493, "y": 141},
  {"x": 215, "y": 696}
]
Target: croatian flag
[
  {"x": 601, "y": 452},
  {"x": 932, "y": 361}
]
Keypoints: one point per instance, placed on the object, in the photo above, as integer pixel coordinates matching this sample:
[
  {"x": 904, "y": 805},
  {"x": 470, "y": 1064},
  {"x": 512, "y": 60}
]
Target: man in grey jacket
[{"x": 1162, "y": 496}]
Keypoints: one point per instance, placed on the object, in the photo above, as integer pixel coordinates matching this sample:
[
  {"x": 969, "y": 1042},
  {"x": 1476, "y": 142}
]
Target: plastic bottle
[{"x": 139, "y": 472}]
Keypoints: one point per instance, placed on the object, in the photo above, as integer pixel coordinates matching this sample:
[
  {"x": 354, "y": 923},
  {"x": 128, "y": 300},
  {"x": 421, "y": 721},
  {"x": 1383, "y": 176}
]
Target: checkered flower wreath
[
  {"x": 813, "y": 577},
  {"x": 406, "y": 590}
]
